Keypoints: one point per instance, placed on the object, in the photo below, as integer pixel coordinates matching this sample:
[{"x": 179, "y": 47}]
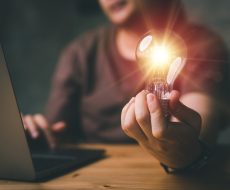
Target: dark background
[{"x": 33, "y": 33}]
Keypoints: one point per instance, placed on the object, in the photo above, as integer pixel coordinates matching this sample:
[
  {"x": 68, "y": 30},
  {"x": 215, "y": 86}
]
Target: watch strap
[{"x": 200, "y": 162}]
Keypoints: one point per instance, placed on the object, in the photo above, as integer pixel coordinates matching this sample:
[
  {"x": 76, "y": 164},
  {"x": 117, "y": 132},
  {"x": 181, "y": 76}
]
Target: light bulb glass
[{"x": 161, "y": 56}]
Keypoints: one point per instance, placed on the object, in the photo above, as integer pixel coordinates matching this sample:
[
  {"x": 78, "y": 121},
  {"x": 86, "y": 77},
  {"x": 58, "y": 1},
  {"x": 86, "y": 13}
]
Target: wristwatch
[{"x": 200, "y": 162}]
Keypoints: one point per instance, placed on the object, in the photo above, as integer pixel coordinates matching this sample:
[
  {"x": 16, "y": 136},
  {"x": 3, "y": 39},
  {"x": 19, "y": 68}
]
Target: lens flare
[{"x": 161, "y": 56}]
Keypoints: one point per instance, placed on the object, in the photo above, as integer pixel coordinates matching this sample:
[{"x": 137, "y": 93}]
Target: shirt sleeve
[
  {"x": 206, "y": 69},
  {"x": 65, "y": 97}
]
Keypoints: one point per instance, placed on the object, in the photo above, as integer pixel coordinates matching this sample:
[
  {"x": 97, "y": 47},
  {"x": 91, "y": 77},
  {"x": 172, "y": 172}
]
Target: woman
[{"x": 97, "y": 74}]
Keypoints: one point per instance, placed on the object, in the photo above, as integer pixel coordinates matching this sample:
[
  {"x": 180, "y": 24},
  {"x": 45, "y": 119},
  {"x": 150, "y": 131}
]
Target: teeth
[{"x": 174, "y": 69}]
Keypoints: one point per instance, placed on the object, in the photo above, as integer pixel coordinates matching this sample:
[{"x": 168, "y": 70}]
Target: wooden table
[{"x": 129, "y": 167}]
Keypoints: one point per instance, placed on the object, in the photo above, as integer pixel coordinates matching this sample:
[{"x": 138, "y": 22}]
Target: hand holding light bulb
[{"x": 143, "y": 117}]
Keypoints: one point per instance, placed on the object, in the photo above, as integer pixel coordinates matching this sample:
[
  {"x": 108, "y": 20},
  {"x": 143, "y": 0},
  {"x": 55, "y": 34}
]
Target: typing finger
[
  {"x": 59, "y": 126},
  {"x": 44, "y": 126},
  {"x": 31, "y": 126}
]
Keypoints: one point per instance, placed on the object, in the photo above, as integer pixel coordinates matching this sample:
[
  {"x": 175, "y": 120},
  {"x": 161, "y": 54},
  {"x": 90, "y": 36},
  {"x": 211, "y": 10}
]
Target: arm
[
  {"x": 195, "y": 116},
  {"x": 65, "y": 96},
  {"x": 204, "y": 105},
  {"x": 174, "y": 143},
  {"x": 63, "y": 108}
]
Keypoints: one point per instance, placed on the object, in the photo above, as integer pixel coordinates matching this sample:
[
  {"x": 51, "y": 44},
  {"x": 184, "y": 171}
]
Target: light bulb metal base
[{"x": 162, "y": 90}]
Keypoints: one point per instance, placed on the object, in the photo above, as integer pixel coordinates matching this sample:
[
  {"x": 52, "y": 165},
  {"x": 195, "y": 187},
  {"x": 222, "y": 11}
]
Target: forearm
[{"x": 205, "y": 106}]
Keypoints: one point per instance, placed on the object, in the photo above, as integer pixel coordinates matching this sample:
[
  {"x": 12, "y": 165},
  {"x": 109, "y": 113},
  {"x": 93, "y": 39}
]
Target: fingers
[
  {"x": 124, "y": 110},
  {"x": 59, "y": 126},
  {"x": 31, "y": 126},
  {"x": 142, "y": 118},
  {"x": 130, "y": 125},
  {"x": 158, "y": 125},
  {"x": 38, "y": 123},
  {"x": 184, "y": 113},
  {"x": 142, "y": 113},
  {"x": 24, "y": 122},
  {"x": 42, "y": 123}
]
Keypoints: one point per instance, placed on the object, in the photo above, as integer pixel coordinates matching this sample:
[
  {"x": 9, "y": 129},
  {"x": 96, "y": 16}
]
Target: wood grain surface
[{"x": 129, "y": 167}]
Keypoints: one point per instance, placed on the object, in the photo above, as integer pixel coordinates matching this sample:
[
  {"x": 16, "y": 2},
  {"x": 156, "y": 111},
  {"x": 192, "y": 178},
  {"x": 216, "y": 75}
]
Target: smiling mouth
[{"x": 118, "y": 5}]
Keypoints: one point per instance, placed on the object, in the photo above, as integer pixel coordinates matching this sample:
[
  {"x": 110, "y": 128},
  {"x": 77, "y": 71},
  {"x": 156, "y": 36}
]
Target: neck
[
  {"x": 129, "y": 34},
  {"x": 127, "y": 39}
]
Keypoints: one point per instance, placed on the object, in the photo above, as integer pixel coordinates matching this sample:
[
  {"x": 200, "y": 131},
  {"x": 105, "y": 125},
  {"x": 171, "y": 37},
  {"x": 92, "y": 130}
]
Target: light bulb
[{"x": 161, "y": 56}]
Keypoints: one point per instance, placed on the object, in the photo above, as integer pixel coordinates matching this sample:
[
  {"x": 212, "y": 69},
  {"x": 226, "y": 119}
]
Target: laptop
[{"x": 16, "y": 160}]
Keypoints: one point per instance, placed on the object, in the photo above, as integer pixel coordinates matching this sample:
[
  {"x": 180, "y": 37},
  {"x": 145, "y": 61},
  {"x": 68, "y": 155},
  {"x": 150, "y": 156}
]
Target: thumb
[
  {"x": 157, "y": 120},
  {"x": 184, "y": 113},
  {"x": 59, "y": 126}
]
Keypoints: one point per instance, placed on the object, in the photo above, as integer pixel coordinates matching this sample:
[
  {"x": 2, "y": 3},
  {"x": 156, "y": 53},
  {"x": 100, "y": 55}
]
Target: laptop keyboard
[{"x": 46, "y": 160}]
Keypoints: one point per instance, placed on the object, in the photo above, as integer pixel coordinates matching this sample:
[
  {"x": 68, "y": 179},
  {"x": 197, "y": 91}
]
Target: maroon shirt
[{"x": 93, "y": 82}]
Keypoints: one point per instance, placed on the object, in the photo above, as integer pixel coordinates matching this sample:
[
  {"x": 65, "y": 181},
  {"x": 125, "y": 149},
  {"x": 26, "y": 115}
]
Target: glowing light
[{"x": 160, "y": 55}]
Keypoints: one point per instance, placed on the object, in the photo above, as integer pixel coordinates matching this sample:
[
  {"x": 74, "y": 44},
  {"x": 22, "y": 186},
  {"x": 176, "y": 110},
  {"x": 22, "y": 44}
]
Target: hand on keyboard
[{"x": 37, "y": 126}]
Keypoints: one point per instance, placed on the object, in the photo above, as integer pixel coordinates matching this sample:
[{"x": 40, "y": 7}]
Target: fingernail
[
  {"x": 132, "y": 100},
  {"x": 171, "y": 95},
  {"x": 35, "y": 135},
  {"x": 151, "y": 102},
  {"x": 174, "y": 93},
  {"x": 146, "y": 91}
]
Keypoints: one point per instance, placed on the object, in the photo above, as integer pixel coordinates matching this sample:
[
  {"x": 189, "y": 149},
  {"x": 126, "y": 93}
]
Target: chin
[
  {"x": 120, "y": 14},
  {"x": 122, "y": 18}
]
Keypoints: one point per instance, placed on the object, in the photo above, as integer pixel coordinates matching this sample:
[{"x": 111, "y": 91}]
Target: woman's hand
[
  {"x": 37, "y": 124},
  {"x": 172, "y": 143}
]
